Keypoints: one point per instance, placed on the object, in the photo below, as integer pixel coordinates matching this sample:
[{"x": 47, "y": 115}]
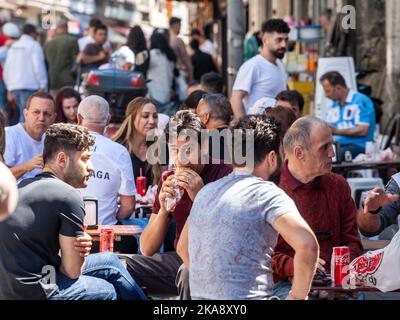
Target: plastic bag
[{"x": 379, "y": 269}]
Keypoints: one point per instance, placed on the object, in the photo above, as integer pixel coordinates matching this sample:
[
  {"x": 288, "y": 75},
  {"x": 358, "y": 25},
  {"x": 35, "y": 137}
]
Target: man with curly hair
[{"x": 48, "y": 220}]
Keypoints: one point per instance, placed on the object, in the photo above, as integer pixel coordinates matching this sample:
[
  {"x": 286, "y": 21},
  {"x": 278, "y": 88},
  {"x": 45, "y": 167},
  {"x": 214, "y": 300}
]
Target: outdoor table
[
  {"x": 345, "y": 167},
  {"x": 119, "y": 230}
]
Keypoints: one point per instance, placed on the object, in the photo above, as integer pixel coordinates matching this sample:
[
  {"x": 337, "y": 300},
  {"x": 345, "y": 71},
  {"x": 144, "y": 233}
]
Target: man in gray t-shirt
[{"x": 234, "y": 224}]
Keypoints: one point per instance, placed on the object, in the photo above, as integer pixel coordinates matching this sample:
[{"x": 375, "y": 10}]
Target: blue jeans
[
  {"x": 282, "y": 289},
  {"x": 353, "y": 148},
  {"x": 104, "y": 277},
  {"x": 21, "y": 98}
]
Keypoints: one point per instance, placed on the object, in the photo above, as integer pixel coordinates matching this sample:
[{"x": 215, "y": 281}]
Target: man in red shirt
[
  {"x": 322, "y": 198},
  {"x": 159, "y": 271}
]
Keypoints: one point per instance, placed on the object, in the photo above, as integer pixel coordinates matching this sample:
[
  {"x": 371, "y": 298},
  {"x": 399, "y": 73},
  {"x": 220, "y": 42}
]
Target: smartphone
[{"x": 91, "y": 212}]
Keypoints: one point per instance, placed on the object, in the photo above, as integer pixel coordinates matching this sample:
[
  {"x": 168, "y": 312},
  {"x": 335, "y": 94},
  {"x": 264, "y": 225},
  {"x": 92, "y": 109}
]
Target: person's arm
[
  {"x": 371, "y": 224},
  {"x": 92, "y": 59},
  {"x": 156, "y": 230},
  {"x": 296, "y": 232},
  {"x": 237, "y": 103},
  {"x": 358, "y": 132},
  {"x": 126, "y": 208},
  {"x": 35, "y": 163},
  {"x": 182, "y": 248},
  {"x": 71, "y": 260},
  {"x": 186, "y": 60}
]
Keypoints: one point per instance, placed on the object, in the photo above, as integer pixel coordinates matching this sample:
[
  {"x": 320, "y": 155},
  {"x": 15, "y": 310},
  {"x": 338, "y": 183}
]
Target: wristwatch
[{"x": 373, "y": 211}]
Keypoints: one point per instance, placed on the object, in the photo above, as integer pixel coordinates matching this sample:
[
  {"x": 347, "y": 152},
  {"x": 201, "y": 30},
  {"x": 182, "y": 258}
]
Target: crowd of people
[{"x": 259, "y": 210}]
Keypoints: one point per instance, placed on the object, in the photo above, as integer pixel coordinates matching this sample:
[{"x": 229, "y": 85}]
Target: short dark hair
[
  {"x": 334, "y": 78},
  {"x": 67, "y": 137},
  {"x": 41, "y": 95},
  {"x": 174, "y": 20},
  {"x": 327, "y": 13},
  {"x": 293, "y": 97},
  {"x": 194, "y": 44},
  {"x": 185, "y": 120},
  {"x": 100, "y": 27},
  {"x": 275, "y": 25},
  {"x": 192, "y": 101},
  {"x": 266, "y": 136},
  {"x": 284, "y": 116},
  {"x": 28, "y": 29},
  {"x": 196, "y": 32},
  {"x": 95, "y": 22},
  {"x": 220, "y": 107},
  {"x": 212, "y": 82}
]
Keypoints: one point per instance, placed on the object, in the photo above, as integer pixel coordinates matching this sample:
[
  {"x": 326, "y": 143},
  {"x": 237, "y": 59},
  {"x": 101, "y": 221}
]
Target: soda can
[
  {"x": 141, "y": 185},
  {"x": 340, "y": 265},
  {"x": 106, "y": 240}
]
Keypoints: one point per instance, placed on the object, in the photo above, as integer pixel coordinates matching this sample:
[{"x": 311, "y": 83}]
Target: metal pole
[{"x": 235, "y": 37}]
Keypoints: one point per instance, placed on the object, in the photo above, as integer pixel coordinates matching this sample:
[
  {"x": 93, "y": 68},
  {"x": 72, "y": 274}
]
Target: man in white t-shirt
[
  {"x": 263, "y": 76},
  {"x": 24, "y": 142},
  {"x": 113, "y": 174}
]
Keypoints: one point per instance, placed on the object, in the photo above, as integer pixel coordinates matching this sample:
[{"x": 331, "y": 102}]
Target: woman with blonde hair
[{"x": 141, "y": 117}]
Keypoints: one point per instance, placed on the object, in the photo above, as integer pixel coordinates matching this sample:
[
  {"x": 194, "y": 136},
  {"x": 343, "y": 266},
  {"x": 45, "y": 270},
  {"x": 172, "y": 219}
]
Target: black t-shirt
[
  {"x": 138, "y": 164},
  {"x": 29, "y": 238},
  {"x": 202, "y": 63},
  {"x": 222, "y": 144}
]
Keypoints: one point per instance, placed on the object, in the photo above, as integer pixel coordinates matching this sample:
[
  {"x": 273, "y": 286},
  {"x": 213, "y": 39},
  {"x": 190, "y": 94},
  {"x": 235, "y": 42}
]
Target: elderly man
[
  {"x": 8, "y": 192},
  {"x": 24, "y": 142},
  {"x": 234, "y": 223},
  {"x": 158, "y": 271},
  {"x": 112, "y": 177},
  {"x": 215, "y": 112},
  {"x": 43, "y": 244},
  {"x": 323, "y": 198},
  {"x": 351, "y": 117}
]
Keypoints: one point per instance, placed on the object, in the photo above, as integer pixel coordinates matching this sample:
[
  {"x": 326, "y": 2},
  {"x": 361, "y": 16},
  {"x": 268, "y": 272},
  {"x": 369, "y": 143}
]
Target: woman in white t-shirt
[
  {"x": 161, "y": 69},
  {"x": 141, "y": 118}
]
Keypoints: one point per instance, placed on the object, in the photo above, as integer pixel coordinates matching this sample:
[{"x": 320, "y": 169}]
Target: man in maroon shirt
[
  {"x": 322, "y": 198},
  {"x": 159, "y": 271}
]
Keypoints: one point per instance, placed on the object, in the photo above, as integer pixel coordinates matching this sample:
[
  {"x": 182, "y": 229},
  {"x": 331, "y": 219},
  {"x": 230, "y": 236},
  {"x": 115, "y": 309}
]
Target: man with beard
[
  {"x": 234, "y": 224},
  {"x": 323, "y": 199},
  {"x": 263, "y": 76},
  {"x": 24, "y": 142},
  {"x": 48, "y": 220}
]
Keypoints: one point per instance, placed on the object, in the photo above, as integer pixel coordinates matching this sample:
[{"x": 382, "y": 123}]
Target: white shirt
[
  {"x": 84, "y": 41},
  {"x": 208, "y": 47},
  {"x": 25, "y": 66},
  {"x": 20, "y": 148},
  {"x": 161, "y": 74},
  {"x": 112, "y": 176},
  {"x": 260, "y": 79}
]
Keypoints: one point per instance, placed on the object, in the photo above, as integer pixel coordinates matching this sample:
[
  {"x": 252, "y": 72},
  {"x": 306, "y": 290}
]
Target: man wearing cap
[
  {"x": 7, "y": 39},
  {"x": 60, "y": 54}
]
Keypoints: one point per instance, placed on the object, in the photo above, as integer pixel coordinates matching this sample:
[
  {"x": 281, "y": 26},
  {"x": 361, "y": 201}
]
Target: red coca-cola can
[
  {"x": 340, "y": 264},
  {"x": 106, "y": 240},
  {"x": 141, "y": 185}
]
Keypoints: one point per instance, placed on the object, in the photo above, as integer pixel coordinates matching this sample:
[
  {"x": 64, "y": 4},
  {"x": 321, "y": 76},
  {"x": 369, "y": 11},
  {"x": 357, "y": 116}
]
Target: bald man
[{"x": 8, "y": 192}]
